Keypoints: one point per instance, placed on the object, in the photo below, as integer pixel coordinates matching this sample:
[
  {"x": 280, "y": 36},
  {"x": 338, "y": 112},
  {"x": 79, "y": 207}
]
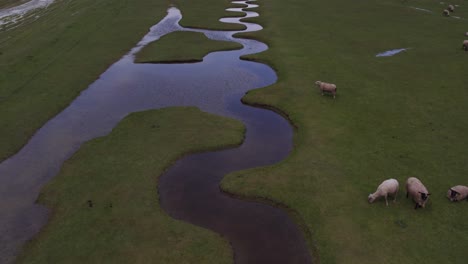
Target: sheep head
[
  {"x": 424, "y": 196},
  {"x": 453, "y": 195}
]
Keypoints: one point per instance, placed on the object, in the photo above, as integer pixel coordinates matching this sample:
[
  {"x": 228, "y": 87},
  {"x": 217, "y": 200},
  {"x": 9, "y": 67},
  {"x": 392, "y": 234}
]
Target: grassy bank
[
  {"x": 206, "y": 14},
  {"x": 397, "y": 117},
  {"x": 118, "y": 173},
  {"x": 10, "y": 3},
  {"x": 45, "y": 63},
  {"x": 182, "y": 46}
]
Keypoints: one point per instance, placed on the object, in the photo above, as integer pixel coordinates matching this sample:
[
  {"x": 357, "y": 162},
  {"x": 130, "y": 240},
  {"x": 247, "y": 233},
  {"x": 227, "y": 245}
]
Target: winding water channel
[{"x": 189, "y": 190}]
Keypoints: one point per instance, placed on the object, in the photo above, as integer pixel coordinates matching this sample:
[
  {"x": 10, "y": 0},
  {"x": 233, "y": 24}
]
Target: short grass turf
[
  {"x": 182, "y": 46},
  {"x": 46, "y": 62},
  {"x": 119, "y": 174},
  {"x": 207, "y": 13},
  {"x": 394, "y": 117},
  {"x": 11, "y": 3}
]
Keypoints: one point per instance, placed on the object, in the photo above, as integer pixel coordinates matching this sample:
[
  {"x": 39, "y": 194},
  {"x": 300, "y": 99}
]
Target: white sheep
[
  {"x": 418, "y": 192},
  {"x": 451, "y": 8},
  {"x": 446, "y": 12},
  {"x": 387, "y": 187},
  {"x": 466, "y": 34},
  {"x": 465, "y": 45},
  {"x": 326, "y": 87},
  {"x": 457, "y": 193}
]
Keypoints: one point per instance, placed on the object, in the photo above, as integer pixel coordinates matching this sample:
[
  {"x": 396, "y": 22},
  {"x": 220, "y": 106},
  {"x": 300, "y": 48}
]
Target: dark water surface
[{"x": 189, "y": 190}]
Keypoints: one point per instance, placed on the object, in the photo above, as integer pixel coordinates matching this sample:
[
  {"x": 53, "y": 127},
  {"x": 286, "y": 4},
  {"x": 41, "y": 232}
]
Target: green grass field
[
  {"x": 206, "y": 14},
  {"x": 39, "y": 62},
  {"x": 46, "y": 63},
  {"x": 394, "y": 117},
  {"x": 119, "y": 174},
  {"x": 182, "y": 46},
  {"x": 11, "y": 3}
]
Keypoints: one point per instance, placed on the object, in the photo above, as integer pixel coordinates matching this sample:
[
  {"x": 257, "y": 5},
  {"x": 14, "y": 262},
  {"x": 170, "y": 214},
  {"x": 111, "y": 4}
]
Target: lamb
[
  {"x": 387, "y": 187},
  {"x": 451, "y": 8},
  {"x": 457, "y": 193},
  {"x": 418, "y": 192},
  {"x": 465, "y": 45},
  {"x": 326, "y": 87}
]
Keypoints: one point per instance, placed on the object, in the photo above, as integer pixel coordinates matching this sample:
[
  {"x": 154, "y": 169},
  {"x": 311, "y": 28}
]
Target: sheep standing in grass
[
  {"x": 451, "y": 8},
  {"x": 457, "y": 193},
  {"x": 326, "y": 87},
  {"x": 465, "y": 45},
  {"x": 418, "y": 192},
  {"x": 446, "y": 12},
  {"x": 387, "y": 187}
]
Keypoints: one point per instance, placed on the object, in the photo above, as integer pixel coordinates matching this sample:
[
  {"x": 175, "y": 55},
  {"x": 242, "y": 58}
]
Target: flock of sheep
[
  {"x": 447, "y": 12},
  {"x": 416, "y": 189}
]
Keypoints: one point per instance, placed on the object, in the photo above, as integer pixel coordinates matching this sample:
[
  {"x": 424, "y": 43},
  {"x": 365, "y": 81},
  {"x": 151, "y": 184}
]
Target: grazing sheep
[
  {"x": 457, "y": 193},
  {"x": 326, "y": 87},
  {"x": 418, "y": 192},
  {"x": 451, "y": 8},
  {"x": 387, "y": 187},
  {"x": 446, "y": 12},
  {"x": 465, "y": 45}
]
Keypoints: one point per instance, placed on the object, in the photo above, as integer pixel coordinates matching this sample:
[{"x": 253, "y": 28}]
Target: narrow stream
[{"x": 189, "y": 190}]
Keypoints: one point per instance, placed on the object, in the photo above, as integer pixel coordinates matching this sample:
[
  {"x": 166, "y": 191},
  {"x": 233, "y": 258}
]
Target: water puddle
[
  {"x": 389, "y": 53},
  {"x": 189, "y": 190},
  {"x": 421, "y": 9},
  {"x": 16, "y": 13}
]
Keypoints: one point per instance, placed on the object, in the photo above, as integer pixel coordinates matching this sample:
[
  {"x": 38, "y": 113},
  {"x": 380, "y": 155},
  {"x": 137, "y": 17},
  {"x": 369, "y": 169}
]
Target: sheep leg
[
  {"x": 386, "y": 201},
  {"x": 416, "y": 207}
]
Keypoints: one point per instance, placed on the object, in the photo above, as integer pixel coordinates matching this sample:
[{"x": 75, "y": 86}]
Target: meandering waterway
[{"x": 189, "y": 190}]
